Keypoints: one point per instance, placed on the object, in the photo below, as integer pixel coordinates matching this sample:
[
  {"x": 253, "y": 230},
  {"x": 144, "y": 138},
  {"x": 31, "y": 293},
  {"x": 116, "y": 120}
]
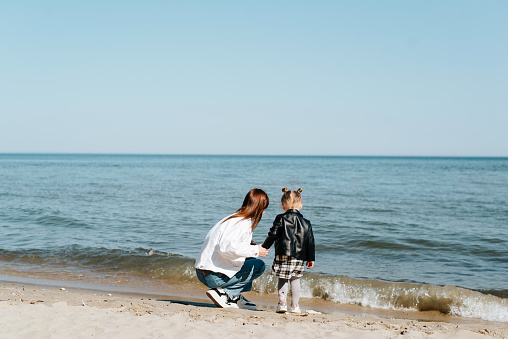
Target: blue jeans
[{"x": 241, "y": 282}]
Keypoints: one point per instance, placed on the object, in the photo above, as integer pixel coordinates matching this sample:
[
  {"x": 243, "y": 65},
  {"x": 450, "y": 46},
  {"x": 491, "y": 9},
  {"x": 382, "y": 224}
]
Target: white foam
[
  {"x": 485, "y": 307},
  {"x": 401, "y": 296}
]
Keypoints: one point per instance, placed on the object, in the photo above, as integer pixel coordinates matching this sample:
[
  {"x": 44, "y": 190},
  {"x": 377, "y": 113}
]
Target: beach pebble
[{"x": 313, "y": 312}]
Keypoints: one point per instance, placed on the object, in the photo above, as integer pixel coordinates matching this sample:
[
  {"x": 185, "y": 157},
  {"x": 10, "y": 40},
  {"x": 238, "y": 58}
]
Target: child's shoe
[
  {"x": 282, "y": 308},
  {"x": 295, "y": 309}
]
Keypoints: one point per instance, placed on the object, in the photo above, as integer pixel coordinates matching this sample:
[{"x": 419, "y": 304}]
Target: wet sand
[{"x": 31, "y": 310}]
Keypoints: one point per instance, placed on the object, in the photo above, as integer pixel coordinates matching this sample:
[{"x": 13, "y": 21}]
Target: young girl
[
  {"x": 226, "y": 262},
  {"x": 294, "y": 244}
]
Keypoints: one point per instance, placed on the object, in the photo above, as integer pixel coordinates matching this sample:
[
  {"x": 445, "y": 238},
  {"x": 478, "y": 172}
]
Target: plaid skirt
[{"x": 286, "y": 267}]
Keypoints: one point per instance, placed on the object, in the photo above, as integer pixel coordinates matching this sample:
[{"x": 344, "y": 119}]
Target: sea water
[{"x": 390, "y": 232}]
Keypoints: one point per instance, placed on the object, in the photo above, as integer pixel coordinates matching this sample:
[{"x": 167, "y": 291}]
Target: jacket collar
[{"x": 293, "y": 210}]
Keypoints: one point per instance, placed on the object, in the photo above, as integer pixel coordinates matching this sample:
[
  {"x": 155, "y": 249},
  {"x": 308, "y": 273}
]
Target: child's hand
[
  {"x": 263, "y": 252},
  {"x": 310, "y": 264}
]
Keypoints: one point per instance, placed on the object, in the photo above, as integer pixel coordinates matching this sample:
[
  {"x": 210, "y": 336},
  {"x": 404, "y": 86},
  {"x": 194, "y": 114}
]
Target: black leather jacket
[{"x": 293, "y": 236}]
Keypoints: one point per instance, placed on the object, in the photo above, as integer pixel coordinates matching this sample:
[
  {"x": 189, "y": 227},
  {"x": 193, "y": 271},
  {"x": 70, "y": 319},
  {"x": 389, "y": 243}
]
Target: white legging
[{"x": 284, "y": 289}]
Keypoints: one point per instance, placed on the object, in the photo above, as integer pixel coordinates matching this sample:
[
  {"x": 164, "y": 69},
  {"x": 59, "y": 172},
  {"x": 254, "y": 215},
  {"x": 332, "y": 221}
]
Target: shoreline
[
  {"x": 123, "y": 311},
  {"x": 153, "y": 289}
]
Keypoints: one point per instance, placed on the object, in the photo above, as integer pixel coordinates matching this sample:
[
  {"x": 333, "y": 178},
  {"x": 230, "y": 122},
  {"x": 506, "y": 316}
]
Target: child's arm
[
  {"x": 311, "y": 247},
  {"x": 272, "y": 233}
]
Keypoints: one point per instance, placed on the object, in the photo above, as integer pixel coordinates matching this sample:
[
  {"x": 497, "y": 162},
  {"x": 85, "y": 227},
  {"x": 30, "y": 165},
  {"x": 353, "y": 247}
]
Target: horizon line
[{"x": 258, "y": 155}]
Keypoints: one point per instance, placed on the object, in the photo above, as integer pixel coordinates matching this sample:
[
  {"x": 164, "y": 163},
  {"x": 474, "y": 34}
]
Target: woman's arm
[
  {"x": 263, "y": 252},
  {"x": 235, "y": 240}
]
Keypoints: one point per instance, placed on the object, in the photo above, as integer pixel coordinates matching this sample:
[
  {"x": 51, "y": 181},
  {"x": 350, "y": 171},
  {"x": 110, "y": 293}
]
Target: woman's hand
[
  {"x": 310, "y": 264},
  {"x": 263, "y": 252}
]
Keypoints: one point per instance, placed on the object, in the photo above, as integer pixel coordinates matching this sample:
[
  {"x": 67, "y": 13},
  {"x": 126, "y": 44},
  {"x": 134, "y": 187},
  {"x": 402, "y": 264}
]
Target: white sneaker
[
  {"x": 233, "y": 304},
  {"x": 219, "y": 297},
  {"x": 241, "y": 302},
  {"x": 295, "y": 309},
  {"x": 282, "y": 308}
]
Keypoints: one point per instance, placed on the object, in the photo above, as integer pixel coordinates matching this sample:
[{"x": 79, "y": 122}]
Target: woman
[{"x": 226, "y": 260}]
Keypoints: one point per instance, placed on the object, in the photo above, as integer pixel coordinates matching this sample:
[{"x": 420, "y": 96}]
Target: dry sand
[{"x": 31, "y": 311}]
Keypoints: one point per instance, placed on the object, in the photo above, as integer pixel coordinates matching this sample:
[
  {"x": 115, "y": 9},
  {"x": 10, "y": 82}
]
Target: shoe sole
[
  {"x": 215, "y": 297},
  {"x": 281, "y": 310}
]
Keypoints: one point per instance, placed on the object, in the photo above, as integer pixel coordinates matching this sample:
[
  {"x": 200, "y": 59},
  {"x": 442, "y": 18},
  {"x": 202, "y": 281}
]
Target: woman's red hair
[{"x": 254, "y": 204}]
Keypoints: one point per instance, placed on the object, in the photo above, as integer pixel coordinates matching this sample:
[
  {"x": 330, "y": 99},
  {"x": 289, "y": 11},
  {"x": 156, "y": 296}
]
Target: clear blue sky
[{"x": 255, "y": 77}]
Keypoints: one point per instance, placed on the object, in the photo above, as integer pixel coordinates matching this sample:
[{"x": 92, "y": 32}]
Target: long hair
[{"x": 254, "y": 204}]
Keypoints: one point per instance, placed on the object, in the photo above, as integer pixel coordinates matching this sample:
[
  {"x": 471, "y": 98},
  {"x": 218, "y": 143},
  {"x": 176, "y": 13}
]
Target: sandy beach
[{"x": 35, "y": 311}]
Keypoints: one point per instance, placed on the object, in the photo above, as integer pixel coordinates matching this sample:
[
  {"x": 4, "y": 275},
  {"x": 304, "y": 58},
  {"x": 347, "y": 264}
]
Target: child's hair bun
[
  {"x": 284, "y": 189},
  {"x": 299, "y": 190}
]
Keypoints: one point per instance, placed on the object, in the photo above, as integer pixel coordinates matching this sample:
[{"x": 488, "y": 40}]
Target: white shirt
[{"x": 226, "y": 246}]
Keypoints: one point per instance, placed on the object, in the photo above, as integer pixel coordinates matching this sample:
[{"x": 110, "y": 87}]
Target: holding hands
[{"x": 263, "y": 252}]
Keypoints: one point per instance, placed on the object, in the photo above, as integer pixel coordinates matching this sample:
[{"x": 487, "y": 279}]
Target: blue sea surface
[{"x": 425, "y": 221}]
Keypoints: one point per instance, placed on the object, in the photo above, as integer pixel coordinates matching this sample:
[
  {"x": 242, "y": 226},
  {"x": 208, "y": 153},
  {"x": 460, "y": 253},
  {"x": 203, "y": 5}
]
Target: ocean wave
[
  {"x": 140, "y": 263},
  {"x": 59, "y": 221},
  {"x": 489, "y": 305},
  {"x": 166, "y": 268}
]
